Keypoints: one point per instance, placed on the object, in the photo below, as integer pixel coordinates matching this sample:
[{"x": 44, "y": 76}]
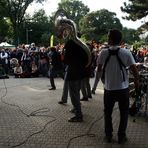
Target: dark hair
[
  {"x": 53, "y": 48},
  {"x": 114, "y": 37}
]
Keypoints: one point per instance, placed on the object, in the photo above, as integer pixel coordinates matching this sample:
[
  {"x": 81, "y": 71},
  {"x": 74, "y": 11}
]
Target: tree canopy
[
  {"x": 136, "y": 10},
  {"x": 15, "y": 23},
  {"x": 15, "y": 10},
  {"x": 96, "y": 24},
  {"x": 74, "y": 8}
]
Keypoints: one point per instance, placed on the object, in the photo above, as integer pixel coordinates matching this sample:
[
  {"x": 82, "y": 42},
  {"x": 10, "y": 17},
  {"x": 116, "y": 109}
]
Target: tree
[
  {"x": 3, "y": 12},
  {"x": 37, "y": 28},
  {"x": 15, "y": 11},
  {"x": 75, "y": 9},
  {"x": 146, "y": 40},
  {"x": 137, "y": 9},
  {"x": 130, "y": 35},
  {"x": 4, "y": 26},
  {"x": 95, "y": 25},
  {"x": 3, "y": 29}
]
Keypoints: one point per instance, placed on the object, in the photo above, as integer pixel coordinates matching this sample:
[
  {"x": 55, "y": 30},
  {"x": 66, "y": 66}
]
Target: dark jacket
[{"x": 76, "y": 60}]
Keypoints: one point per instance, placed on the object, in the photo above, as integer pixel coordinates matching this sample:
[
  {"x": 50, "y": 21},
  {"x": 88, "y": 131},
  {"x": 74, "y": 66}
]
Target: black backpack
[{"x": 113, "y": 53}]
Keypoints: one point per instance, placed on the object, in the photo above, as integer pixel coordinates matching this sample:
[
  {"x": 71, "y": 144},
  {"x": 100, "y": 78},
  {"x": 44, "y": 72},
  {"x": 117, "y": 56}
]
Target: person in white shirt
[
  {"x": 116, "y": 85},
  {"x": 18, "y": 71}
]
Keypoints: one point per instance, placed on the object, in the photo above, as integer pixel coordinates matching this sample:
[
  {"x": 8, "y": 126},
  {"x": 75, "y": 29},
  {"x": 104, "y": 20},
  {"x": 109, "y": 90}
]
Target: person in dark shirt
[
  {"x": 56, "y": 67},
  {"x": 76, "y": 60}
]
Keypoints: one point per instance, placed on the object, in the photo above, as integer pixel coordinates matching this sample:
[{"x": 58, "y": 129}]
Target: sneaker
[
  {"x": 122, "y": 140},
  {"x": 62, "y": 102},
  {"x": 75, "y": 119},
  {"x": 52, "y": 88},
  {"x": 84, "y": 99}
]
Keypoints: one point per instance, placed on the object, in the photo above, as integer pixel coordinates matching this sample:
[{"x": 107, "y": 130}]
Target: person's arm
[
  {"x": 99, "y": 68},
  {"x": 135, "y": 73}
]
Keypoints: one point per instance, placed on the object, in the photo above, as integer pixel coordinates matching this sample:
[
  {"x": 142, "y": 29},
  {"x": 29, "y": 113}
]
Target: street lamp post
[{"x": 27, "y": 33}]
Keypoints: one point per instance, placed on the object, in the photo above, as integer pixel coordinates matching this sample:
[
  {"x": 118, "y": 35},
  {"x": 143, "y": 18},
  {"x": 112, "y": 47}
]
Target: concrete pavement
[{"x": 30, "y": 117}]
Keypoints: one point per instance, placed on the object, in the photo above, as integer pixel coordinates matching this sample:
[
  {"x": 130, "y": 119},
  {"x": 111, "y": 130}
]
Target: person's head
[
  {"x": 114, "y": 37},
  {"x": 53, "y": 48},
  {"x": 18, "y": 65},
  {"x": 3, "y": 50}
]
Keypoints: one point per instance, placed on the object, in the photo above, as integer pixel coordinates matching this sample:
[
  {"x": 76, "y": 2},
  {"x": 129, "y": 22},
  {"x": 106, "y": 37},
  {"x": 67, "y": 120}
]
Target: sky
[{"x": 112, "y": 5}]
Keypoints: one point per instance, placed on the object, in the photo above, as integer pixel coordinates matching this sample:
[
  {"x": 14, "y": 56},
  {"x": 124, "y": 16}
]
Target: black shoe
[
  {"x": 90, "y": 96},
  {"x": 72, "y": 110},
  {"x": 75, "y": 119},
  {"x": 93, "y": 92},
  {"x": 84, "y": 99},
  {"x": 122, "y": 140},
  {"x": 7, "y": 77},
  {"x": 52, "y": 88},
  {"x": 62, "y": 102},
  {"x": 108, "y": 139}
]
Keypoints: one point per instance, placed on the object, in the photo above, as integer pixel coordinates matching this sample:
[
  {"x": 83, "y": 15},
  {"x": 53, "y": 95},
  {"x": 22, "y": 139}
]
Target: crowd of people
[{"x": 35, "y": 61}]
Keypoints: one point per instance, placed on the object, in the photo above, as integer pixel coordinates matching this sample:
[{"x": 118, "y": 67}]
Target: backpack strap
[
  {"x": 121, "y": 64},
  {"x": 104, "y": 66},
  {"x": 114, "y": 53}
]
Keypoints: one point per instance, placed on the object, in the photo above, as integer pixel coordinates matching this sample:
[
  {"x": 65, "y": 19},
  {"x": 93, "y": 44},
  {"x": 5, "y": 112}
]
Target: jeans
[
  {"x": 65, "y": 91},
  {"x": 74, "y": 91},
  {"x": 53, "y": 74},
  {"x": 85, "y": 87},
  {"x": 110, "y": 97},
  {"x": 96, "y": 81}
]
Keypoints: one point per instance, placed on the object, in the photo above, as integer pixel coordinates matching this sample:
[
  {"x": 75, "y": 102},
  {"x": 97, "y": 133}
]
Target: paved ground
[{"x": 30, "y": 117}]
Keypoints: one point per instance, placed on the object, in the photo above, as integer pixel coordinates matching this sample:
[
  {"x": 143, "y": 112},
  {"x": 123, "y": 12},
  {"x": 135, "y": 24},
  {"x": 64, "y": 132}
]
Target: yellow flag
[{"x": 51, "y": 41}]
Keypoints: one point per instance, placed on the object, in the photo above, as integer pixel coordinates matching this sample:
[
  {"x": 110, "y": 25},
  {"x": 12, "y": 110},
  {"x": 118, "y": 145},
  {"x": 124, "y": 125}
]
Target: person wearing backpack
[{"x": 113, "y": 63}]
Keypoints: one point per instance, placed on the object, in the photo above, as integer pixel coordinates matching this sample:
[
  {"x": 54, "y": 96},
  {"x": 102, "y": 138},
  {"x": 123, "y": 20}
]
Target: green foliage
[
  {"x": 93, "y": 26},
  {"x": 40, "y": 28},
  {"x": 15, "y": 10},
  {"x": 146, "y": 40},
  {"x": 3, "y": 12},
  {"x": 3, "y": 29},
  {"x": 96, "y": 24},
  {"x": 137, "y": 45},
  {"x": 130, "y": 35},
  {"x": 136, "y": 10},
  {"x": 75, "y": 9}
]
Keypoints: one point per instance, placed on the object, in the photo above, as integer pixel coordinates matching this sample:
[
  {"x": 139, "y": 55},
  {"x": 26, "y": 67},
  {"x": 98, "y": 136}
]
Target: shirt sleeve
[{"x": 102, "y": 57}]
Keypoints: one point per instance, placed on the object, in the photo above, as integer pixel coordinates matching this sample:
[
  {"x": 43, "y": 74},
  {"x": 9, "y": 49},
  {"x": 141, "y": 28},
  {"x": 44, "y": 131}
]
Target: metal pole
[{"x": 26, "y": 36}]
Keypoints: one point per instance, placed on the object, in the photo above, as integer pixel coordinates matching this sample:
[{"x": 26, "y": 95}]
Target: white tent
[{"x": 5, "y": 44}]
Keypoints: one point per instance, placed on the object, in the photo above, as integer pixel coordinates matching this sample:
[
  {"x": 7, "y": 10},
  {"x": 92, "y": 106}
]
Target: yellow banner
[{"x": 51, "y": 41}]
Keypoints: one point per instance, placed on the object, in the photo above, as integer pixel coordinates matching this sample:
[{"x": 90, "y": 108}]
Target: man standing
[
  {"x": 4, "y": 61},
  {"x": 76, "y": 60},
  {"x": 115, "y": 59},
  {"x": 77, "y": 57},
  {"x": 56, "y": 66}
]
